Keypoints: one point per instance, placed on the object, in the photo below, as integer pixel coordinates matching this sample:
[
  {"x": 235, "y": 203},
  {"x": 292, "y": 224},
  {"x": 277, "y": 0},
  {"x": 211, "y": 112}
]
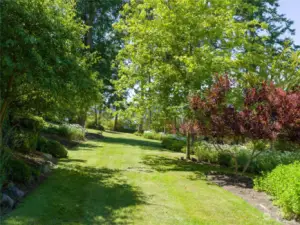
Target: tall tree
[
  {"x": 99, "y": 15},
  {"x": 42, "y": 55},
  {"x": 181, "y": 51},
  {"x": 279, "y": 27},
  {"x": 268, "y": 51}
]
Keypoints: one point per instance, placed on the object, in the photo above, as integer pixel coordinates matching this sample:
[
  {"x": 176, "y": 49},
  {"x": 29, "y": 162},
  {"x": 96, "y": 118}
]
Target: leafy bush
[
  {"x": 42, "y": 141},
  {"x": 109, "y": 124},
  {"x": 126, "y": 130},
  {"x": 96, "y": 127},
  {"x": 284, "y": 184},
  {"x": 173, "y": 144},
  {"x": 138, "y": 134},
  {"x": 53, "y": 147},
  {"x": 24, "y": 142},
  {"x": 33, "y": 123},
  {"x": 72, "y": 131},
  {"x": 90, "y": 123},
  {"x": 224, "y": 159},
  {"x": 242, "y": 159},
  {"x": 205, "y": 153},
  {"x": 153, "y": 135},
  {"x": 174, "y": 136},
  {"x": 18, "y": 171},
  {"x": 268, "y": 160},
  {"x": 285, "y": 146},
  {"x": 177, "y": 145},
  {"x": 123, "y": 125},
  {"x": 148, "y": 134},
  {"x": 69, "y": 131}
]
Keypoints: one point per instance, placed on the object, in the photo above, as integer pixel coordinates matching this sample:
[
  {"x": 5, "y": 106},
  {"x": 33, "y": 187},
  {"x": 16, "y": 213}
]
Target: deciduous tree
[{"x": 43, "y": 56}]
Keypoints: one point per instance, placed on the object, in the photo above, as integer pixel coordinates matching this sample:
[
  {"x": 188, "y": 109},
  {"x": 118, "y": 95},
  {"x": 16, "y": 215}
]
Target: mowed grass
[{"x": 124, "y": 179}]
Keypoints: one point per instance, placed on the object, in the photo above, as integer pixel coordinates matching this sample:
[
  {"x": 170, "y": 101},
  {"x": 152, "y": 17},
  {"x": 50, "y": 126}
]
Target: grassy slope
[{"x": 124, "y": 179}]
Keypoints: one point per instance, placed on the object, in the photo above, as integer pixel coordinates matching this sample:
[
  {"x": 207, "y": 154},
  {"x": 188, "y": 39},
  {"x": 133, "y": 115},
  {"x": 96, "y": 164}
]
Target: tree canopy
[
  {"x": 44, "y": 63},
  {"x": 169, "y": 53}
]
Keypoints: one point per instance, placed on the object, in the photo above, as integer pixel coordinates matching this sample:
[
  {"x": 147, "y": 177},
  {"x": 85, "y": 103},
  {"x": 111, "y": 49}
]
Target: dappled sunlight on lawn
[
  {"x": 122, "y": 179},
  {"x": 80, "y": 195}
]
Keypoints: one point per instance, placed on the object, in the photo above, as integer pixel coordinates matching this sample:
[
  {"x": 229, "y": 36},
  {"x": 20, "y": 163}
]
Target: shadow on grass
[
  {"x": 223, "y": 180},
  {"x": 113, "y": 132},
  {"x": 85, "y": 146},
  {"x": 165, "y": 164},
  {"x": 80, "y": 195},
  {"x": 72, "y": 160},
  {"x": 67, "y": 143},
  {"x": 93, "y": 136},
  {"x": 212, "y": 174},
  {"x": 73, "y": 145},
  {"x": 144, "y": 144}
]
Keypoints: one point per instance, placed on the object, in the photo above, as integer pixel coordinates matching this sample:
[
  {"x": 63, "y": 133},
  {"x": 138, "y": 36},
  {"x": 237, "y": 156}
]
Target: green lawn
[{"x": 124, "y": 179}]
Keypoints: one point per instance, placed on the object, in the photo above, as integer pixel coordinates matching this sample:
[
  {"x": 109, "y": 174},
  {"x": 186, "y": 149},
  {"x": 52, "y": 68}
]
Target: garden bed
[
  {"x": 242, "y": 186},
  {"x": 18, "y": 191}
]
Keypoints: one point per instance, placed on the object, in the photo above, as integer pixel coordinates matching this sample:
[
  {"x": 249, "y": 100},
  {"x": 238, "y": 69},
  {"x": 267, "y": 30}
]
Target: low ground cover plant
[
  {"x": 283, "y": 183},
  {"x": 264, "y": 162}
]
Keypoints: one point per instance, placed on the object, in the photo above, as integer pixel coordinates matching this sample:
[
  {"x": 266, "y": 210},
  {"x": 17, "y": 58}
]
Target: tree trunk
[
  {"x": 150, "y": 112},
  {"x": 5, "y": 103},
  {"x": 140, "y": 128},
  {"x": 116, "y": 122},
  {"x": 253, "y": 156},
  {"x": 82, "y": 120},
  {"x": 188, "y": 146},
  {"x": 249, "y": 162},
  {"x": 89, "y": 19},
  {"x": 96, "y": 116},
  {"x": 3, "y": 110},
  {"x": 1, "y": 140},
  {"x": 150, "y": 119}
]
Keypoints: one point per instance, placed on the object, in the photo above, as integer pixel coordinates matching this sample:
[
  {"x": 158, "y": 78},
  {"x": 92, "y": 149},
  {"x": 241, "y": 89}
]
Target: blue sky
[{"x": 291, "y": 8}]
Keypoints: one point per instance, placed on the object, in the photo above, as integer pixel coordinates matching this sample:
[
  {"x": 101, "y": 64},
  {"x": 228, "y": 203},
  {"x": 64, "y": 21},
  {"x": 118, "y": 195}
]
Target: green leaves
[
  {"x": 172, "y": 48},
  {"x": 283, "y": 183},
  {"x": 42, "y": 48},
  {"x": 178, "y": 51}
]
